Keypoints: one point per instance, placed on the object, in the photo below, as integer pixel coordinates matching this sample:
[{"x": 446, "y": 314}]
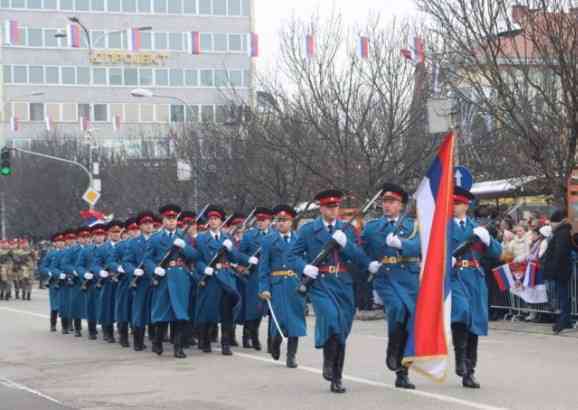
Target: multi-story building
[{"x": 195, "y": 51}]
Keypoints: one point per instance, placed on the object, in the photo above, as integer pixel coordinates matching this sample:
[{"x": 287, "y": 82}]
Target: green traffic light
[{"x": 5, "y": 171}]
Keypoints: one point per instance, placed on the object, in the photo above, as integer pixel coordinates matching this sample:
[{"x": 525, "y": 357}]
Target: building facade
[{"x": 194, "y": 51}]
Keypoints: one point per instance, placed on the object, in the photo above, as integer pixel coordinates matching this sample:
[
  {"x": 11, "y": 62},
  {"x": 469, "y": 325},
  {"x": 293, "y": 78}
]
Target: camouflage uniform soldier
[
  {"x": 5, "y": 268},
  {"x": 24, "y": 265}
]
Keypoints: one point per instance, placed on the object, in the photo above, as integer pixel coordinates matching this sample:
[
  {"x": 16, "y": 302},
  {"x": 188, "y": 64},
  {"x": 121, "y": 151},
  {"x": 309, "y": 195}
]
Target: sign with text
[{"x": 128, "y": 58}]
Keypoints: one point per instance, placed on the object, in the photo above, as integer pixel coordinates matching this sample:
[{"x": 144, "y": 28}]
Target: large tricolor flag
[
  {"x": 73, "y": 35},
  {"x": 415, "y": 53},
  {"x": 195, "y": 43},
  {"x": 11, "y": 34},
  {"x": 429, "y": 328},
  {"x": 363, "y": 47},
  {"x": 134, "y": 39}
]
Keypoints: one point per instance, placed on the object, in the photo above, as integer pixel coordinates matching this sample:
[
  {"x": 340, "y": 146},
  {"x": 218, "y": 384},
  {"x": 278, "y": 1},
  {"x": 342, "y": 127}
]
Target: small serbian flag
[
  {"x": 48, "y": 123},
  {"x": 504, "y": 277},
  {"x": 84, "y": 123},
  {"x": 92, "y": 217},
  {"x": 254, "y": 45},
  {"x": 11, "y": 35},
  {"x": 195, "y": 43},
  {"x": 363, "y": 47},
  {"x": 14, "y": 124},
  {"x": 116, "y": 122},
  {"x": 415, "y": 53},
  {"x": 73, "y": 35},
  {"x": 310, "y": 46},
  {"x": 134, "y": 39},
  {"x": 429, "y": 328}
]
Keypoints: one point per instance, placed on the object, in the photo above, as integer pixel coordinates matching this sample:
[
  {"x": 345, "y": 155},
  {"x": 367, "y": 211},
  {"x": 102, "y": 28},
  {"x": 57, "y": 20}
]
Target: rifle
[
  {"x": 53, "y": 281},
  {"x": 85, "y": 285},
  {"x": 218, "y": 256},
  {"x": 467, "y": 245},
  {"x": 331, "y": 245}
]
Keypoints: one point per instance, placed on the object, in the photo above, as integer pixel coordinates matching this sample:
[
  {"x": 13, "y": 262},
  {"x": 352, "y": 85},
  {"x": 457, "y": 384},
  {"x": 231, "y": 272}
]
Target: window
[
  {"x": 83, "y": 75},
  {"x": 49, "y": 39},
  {"x": 235, "y": 42},
  {"x": 98, "y": 39},
  {"x": 129, "y": 6},
  {"x": 206, "y": 42},
  {"x": 176, "y": 6},
  {"x": 115, "y": 40},
  {"x": 220, "y": 78},
  {"x": 20, "y": 74},
  {"x": 246, "y": 78},
  {"x": 234, "y": 7},
  {"x": 177, "y": 113},
  {"x": 68, "y": 112},
  {"x": 53, "y": 110},
  {"x": 35, "y": 37},
  {"x": 222, "y": 114},
  {"x": 220, "y": 7},
  {"x": 207, "y": 78},
  {"x": 84, "y": 111},
  {"x": 207, "y": 113},
  {"x": 147, "y": 112},
  {"x": 220, "y": 42},
  {"x": 115, "y": 76},
  {"x": 146, "y": 40},
  {"x": 162, "y": 77},
  {"x": 246, "y": 8},
  {"x": 190, "y": 7},
  {"x": 22, "y": 37},
  {"x": 52, "y": 75},
  {"x": 99, "y": 76},
  {"x": 131, "y": 112},
  {"x": 7, "y": 74},
  {"x": 146, "y": 76},
  {"x": 97, "y": 5},
  {"x": 68, "y": 75},
  {"x": 176, "y": 41},
  {"x": 50, "y": 4},
  {"x": 193, "y": 113},
  {"x": 66, "y": 4},
  {"x": 160, "y": 41},
  {"x": 100, "y": 112},
  {"x": 144, "y": 6},
  {"x": 36, "y": 74},
  {"x": 113, "y": 5},
  {"x": 191, "y": 79},
  {"x": 160, "y": 6},
  {"x": 82, "y": 5},
  {"x": 5, "y": 4},
  {"x": 176, "y": 77},
  {"x": 34, "y": 4},
  {"x": 130, "y": 76},
  {"x": 235, "y": 78},
  {"x": 205, "y": 7},
  {"x": 18, "y": 4},
  {"x": 36, "y": 112}
]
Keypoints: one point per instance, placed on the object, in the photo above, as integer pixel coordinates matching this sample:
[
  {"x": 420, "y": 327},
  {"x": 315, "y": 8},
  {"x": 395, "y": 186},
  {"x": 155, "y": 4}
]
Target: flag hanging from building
[
  {"x": 14, "y": 124},
  {"x": 195, "y": 43},
  {"x": 363, "y": 47},
  {"x": 73, "y": 35},
  {"x": 416, "y": 52},
  {"x": 84, "y": 123},
  {"x": 253, "y": 45},
  {"x": 116, "y": 122},
  {"x": 11, "y": 34},
  {"x": 134, "y": 37},
  {"x": 429, "y": 328},
  {"x": 310, "y": 46},
  {"x": 48, "y": 123}
]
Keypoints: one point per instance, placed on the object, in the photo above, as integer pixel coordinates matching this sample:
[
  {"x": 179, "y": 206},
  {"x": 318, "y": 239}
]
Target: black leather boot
[
  {"x": 255, "y": 334},
  {"x": 53, "y": 320},
  {"x": 64, "y": 325},
  {"x": 214, "y": 333},
  {"x": 471, "y": 361},
  {"x": 123, "y": 334},
  {"x": 77, "y": 328},
  {"x": 402, "y": 379},
  {"x": 329, "y": 357},
  {"x": 246, "y": 336},
  {"x": 160, "y": 329},
  {"x": 92, "y": 333},
  {"x": 226, "y": 339},
  {"x": 111, "y": 338},
  {"x": 151, "y": 332},
  {"x": 171, "y": 332},
  {"x": 336, "y": 382},
  {"x": 276, "y": 347},
  {"x": 178, "y": 340},
  {"x": 292, "y": 344},
  {"x": 234, "y": 342},
  {"x": 460, "y": 341},
  {"x": 206, "y": 338},
  {"x": 394, "y": 347}
]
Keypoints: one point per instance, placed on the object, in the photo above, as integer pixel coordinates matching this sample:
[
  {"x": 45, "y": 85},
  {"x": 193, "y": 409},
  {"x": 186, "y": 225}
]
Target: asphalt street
[{"x": 43, "y": 370}]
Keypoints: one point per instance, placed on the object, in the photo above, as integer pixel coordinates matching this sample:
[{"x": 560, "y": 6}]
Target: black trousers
[{"x": 227, "y": 305}]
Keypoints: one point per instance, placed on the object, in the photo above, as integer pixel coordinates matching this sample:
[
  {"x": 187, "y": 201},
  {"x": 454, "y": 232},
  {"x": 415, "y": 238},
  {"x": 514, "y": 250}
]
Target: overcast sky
[{"x": 271, "y": 14}]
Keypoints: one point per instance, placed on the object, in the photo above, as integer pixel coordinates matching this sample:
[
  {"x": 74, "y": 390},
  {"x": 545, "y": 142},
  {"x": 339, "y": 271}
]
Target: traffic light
[{"x": 5, "y": 167}]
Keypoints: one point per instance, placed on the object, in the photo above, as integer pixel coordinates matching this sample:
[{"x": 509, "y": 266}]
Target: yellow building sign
[{"x": 126, "y": 58}]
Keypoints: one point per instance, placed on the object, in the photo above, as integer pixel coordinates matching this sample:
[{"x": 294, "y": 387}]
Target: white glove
[
  {"x": 160, "y": 271},
  {"x": 374, "y": 267},
  {"x": 340, "y": 237},
  {"x": 179, "y": 243},
  {"x": 138, "y": 272},
  {"x": 454, "y": 260},
  {"x": 483, "y": 234},
  {"x": 228, "y": 244},
  {"x": 75, "y": 273},
  {"x": 49, "y": 274},
  {"x": 120, "y": 269},
  {"x": 88, "y": 276},
  {"x": 209, "y": 271},
  {"x": 253, "y": 260},
  {"x": 393, "y": 241},
  {"x": 62, "y": 276},
  {"x": 311, "y": 271},
  {"x": 103, "y": 274}
]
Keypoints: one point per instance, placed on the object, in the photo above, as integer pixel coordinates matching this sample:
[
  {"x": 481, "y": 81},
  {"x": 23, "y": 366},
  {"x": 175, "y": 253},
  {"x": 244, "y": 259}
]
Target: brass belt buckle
[
  {"x": 219, "y": 266},
  {"x": 333, "y": 269}
]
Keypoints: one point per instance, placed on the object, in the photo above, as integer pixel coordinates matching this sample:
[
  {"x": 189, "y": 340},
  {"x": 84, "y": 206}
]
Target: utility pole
[{"x": 3, "y": 210}]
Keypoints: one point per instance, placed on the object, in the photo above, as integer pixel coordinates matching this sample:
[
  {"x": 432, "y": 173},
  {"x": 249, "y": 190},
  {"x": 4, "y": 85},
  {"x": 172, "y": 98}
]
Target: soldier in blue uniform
[
  {"x": 252, "y": 309},
  {"x": 233, "y": 228},
  {"x": 469, "y": 289},
  {"x": 170, "y": 298},
  {"x": 133, "y": 265},
  {"x": 331, "y": 292},
  {"x": 218, "y": 300},
  {"x": 278, "y": 283},
  {"x": 65, "y": 266},
  {"x": 394, "y": 242},
  {"x": 187, "y": 223},
  {"x": 69, "y": 264},
  {"x": 47, "y": 269}
]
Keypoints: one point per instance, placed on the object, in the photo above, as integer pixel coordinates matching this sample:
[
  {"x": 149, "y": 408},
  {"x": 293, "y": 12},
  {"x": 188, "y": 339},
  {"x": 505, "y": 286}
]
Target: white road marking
[
  {"x": 13, "y": 385},
  {"x": 435, "y": 396}
]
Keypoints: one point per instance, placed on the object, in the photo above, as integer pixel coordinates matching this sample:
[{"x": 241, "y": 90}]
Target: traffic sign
[
  {"x": 91, "y": 197},
  {"x": 463, "y": 178}
]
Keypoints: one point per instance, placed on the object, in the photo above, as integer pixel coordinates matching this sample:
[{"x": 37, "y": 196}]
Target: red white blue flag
[
  {"x": 73, "y": 35},
  {"x": 253, "y": 45},
  {"x": 134, "y": 39},
  {"x": 363, "y": 47},
  {"x": 416, "y": 52},
  {"x": 429, "y": 330},
  {"x": 195, "y": 43},
  {"x": 11, "y": 34},
  {"x": 504, "y": 277}
]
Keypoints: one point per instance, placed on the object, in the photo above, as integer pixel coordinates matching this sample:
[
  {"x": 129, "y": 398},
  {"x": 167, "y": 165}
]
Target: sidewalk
[{"x": 529, "y": 327}]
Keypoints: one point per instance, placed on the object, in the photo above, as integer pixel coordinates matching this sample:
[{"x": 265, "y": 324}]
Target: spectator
[{"x": 519, "y": 245}]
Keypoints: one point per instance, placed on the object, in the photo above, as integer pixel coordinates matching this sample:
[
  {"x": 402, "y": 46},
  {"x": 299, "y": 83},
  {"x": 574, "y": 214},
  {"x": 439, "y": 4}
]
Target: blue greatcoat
[
  {"x": 396, "y": 284},
  {"x": 105, "y": 304},
  {"x": 63, "y": 266},
  {"x": 141, "y": 295},
  {"x": 75, "y": 295},
  {"x": 46, "y": 268},
  {"x": 252, "y": 307},
  {"x": 469, "y": 289},
  {"x": 288, "y": 305},
  {"x": 122, "y": 295},
  {"x": 193, "y": 295},
  {"x": 332, "y": 295},
  {"x": 83, "y": 265},
  {"x": 170, "y": 299},
  {"x": 208, "y": 301}
]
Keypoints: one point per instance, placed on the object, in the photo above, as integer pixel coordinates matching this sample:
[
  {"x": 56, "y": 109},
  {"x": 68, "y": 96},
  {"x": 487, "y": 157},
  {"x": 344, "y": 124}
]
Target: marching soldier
[
  {"x": 253, "y": 309},
  {"x": 331, "y": 292},
  {"x": 187, "y": 222},
  {"x": 469, "y": 289},
  {"x": 278, "y": 284},
  {"x": 395, "y": 243},
  {"x": 46, "y": 269},
  {"x": 76, "y": 303},
  {"x": 5, "y": 268},
  {"x": 166, "y": 259},
  {"x": 65, "y": 267}
]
